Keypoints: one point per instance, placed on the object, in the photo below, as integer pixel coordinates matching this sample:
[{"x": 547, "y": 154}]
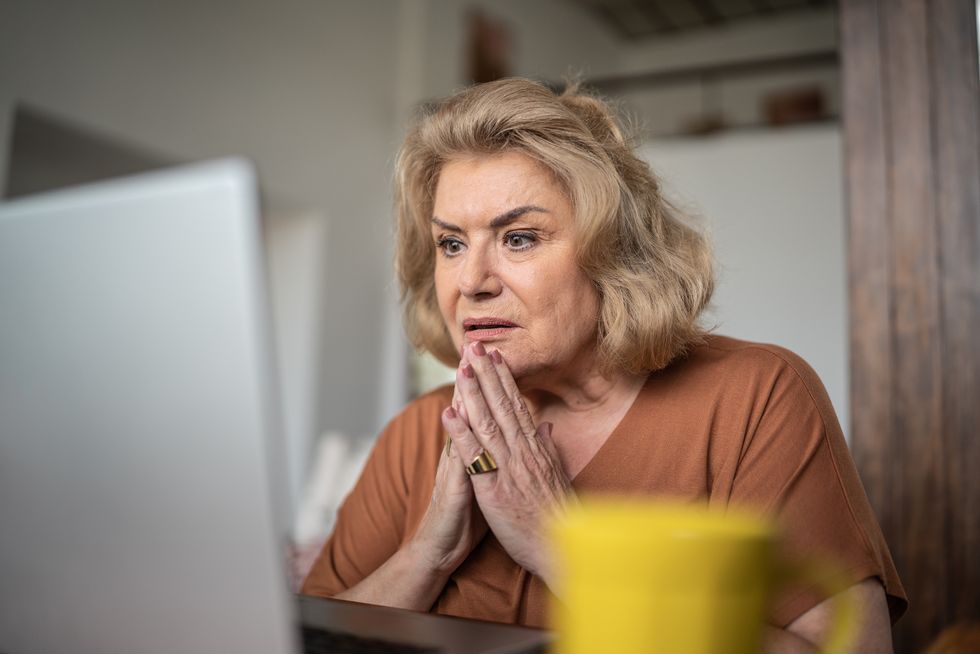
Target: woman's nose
[{"x": 477, "y": 276}]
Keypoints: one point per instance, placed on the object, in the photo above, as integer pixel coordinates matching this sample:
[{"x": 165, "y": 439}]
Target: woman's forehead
[{"x": 478, "y": 186}]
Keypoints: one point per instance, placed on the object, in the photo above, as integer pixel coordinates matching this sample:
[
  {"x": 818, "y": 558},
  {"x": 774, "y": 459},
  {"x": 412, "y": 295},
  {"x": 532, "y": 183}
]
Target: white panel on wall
[
  {"x": 296, "y": 245},
  {"x": 774, "y": 202}
]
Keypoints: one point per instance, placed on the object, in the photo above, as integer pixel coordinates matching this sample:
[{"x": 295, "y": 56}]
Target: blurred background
[{"x": 737, "y": 104}]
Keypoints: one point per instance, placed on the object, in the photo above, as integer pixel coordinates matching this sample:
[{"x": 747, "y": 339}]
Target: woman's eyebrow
[
  {"x": 515, "y": 213},
  {"x": 449, "y": 227},
  {"x": 502, "y": 220}
]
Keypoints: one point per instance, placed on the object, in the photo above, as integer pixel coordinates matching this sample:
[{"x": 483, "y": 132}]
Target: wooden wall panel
[
  {"x": 912, "y": 148},
  {"x": 867, "y": 256},
  {"x": 956, "y": 90}
]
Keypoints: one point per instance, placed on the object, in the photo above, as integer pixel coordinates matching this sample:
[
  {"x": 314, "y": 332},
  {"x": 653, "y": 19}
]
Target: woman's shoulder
[
  {"x": 723, "y": 354},
  {"x": 737, "y": 349},
  {"x": 728, "y": 372}
]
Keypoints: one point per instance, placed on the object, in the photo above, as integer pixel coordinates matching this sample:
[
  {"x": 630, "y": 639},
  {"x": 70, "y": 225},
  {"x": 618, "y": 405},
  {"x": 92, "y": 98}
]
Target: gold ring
[{"x": 481, "y": 464}]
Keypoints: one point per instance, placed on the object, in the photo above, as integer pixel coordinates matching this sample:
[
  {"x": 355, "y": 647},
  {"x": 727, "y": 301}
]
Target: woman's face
[{"x": 505, "y": 268}]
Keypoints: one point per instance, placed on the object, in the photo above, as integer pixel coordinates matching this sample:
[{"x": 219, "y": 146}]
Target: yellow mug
[{"x": 638, "y": 576}]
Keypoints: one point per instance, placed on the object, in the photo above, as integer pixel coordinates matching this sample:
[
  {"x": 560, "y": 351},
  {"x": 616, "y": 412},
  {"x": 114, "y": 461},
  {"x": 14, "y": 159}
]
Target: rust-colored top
[{"x": 733, "y": 423}]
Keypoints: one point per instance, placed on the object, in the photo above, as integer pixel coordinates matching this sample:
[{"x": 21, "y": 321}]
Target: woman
[{"x": 537, "y": 255}]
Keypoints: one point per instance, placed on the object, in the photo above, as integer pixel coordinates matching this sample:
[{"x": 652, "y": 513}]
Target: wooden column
[{"x": 911, "y": 112}]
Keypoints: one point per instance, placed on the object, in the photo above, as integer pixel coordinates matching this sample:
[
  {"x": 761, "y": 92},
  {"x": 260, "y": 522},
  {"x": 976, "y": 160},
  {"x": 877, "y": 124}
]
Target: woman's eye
[
  {"x": 450, "y": 246},
  {"x": 519, "y": 240}
]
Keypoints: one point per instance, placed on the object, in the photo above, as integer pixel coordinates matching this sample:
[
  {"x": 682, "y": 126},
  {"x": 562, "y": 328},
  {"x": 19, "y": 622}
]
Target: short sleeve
[
  {"x": 370, "y": 523},
  {"x": 795, "y": 465}
]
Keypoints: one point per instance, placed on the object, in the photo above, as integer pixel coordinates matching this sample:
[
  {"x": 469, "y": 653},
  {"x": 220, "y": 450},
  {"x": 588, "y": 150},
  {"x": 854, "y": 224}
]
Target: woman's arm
[
  {"x": 404, "y": 581},
  {"x": 416, "y": 573},
  {"x": 803, "y": 635},
  {"x": 374, "y": 555},
  {"x": 794, "y": 465}
]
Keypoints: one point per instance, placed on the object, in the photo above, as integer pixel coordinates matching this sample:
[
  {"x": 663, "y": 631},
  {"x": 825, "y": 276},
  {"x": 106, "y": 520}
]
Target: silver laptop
[{"x": 142, "y": 502}]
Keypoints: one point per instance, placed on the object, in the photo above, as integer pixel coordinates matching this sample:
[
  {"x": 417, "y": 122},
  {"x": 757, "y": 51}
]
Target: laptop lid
[{"x": 136, "y": 420}]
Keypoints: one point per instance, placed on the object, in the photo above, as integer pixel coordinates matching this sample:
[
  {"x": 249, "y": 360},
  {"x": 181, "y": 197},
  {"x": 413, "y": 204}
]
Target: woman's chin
[
  {"x": 523, "y": 368},
  {"x": 526, "y": 372},
  {"x": 518, "y": 366}
]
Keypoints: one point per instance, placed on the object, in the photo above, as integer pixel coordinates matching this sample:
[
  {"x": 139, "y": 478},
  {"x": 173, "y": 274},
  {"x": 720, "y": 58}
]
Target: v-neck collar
[{"x": 624, "y": 426}]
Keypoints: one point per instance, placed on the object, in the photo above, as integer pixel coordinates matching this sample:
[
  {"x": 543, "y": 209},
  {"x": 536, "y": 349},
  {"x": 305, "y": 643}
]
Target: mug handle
[{"x": 828, "y": 578}]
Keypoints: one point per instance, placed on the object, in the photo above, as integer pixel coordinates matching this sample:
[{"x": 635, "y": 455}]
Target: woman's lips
[
  {"x": 487, "y": 333},
  {"x": 486, "y": 328}
]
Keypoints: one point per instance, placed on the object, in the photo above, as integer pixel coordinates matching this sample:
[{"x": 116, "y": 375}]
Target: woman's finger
[
  {"x": 451, "y": 473},
  {"x": 497, "y": 398},
  {"x": 481, "y": 421},
  {"x": 543, "y": 435},
  {"x": 457, "y": 400},
  {"x": 521, "y": 413},
  {"x": 465, "y": 443}
]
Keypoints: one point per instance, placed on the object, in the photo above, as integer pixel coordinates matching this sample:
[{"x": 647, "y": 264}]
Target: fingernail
[
  {"x": 495, "y": 356},
  {"x": 479, "y": 350},
  {"x": 451, "y": 413},
  {"x": 468, "y": 371}
]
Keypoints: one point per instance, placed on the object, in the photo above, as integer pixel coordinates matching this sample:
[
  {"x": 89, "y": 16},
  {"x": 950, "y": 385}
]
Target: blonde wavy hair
[{"x": 651, "y": 267}]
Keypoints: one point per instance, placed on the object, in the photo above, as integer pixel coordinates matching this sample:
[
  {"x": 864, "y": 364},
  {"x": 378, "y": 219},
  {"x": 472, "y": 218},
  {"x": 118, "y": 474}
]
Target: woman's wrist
[
  {"x": 406, "y": 580},
  {"x": 783, "y": 641},
  {"x": 424, "y": 557}
]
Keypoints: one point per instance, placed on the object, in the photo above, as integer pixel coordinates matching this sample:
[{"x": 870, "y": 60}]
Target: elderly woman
[{"x": 537, "y": 256}]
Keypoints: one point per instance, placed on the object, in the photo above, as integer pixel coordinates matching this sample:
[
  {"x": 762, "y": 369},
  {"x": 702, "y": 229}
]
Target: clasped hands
[{"x": 515, "y": 500}]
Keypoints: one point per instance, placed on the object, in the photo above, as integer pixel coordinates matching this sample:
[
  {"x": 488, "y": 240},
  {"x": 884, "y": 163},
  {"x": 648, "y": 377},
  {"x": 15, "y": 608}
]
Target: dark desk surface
[{"x": 449, "y": 634}]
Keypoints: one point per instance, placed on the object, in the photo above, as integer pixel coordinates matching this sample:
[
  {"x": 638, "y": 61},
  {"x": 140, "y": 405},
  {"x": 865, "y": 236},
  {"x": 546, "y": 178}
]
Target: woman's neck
[
  {"x": 579, "y": 391},
  {"x": 584, "y": 410}
]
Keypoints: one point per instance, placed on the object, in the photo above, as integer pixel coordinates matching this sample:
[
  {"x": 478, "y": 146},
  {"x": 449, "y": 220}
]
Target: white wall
[
  {"x": 774, "y": 203},
  {"x": 296, "y": 246},
  {"x": 304, "y": 88}
]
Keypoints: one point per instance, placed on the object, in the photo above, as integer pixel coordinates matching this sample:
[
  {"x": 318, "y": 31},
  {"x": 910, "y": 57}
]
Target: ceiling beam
[
  {"x": 707, "y": 11},
  {"x": 653, "y": 11}
]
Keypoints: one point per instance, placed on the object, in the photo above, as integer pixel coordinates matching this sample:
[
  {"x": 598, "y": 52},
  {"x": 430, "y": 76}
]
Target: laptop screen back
[{"x": 137, "y": 420}]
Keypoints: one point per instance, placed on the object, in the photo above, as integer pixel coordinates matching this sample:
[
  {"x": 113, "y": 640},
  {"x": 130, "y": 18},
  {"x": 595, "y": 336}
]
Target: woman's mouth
[{"x": 484, "y": 329}]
